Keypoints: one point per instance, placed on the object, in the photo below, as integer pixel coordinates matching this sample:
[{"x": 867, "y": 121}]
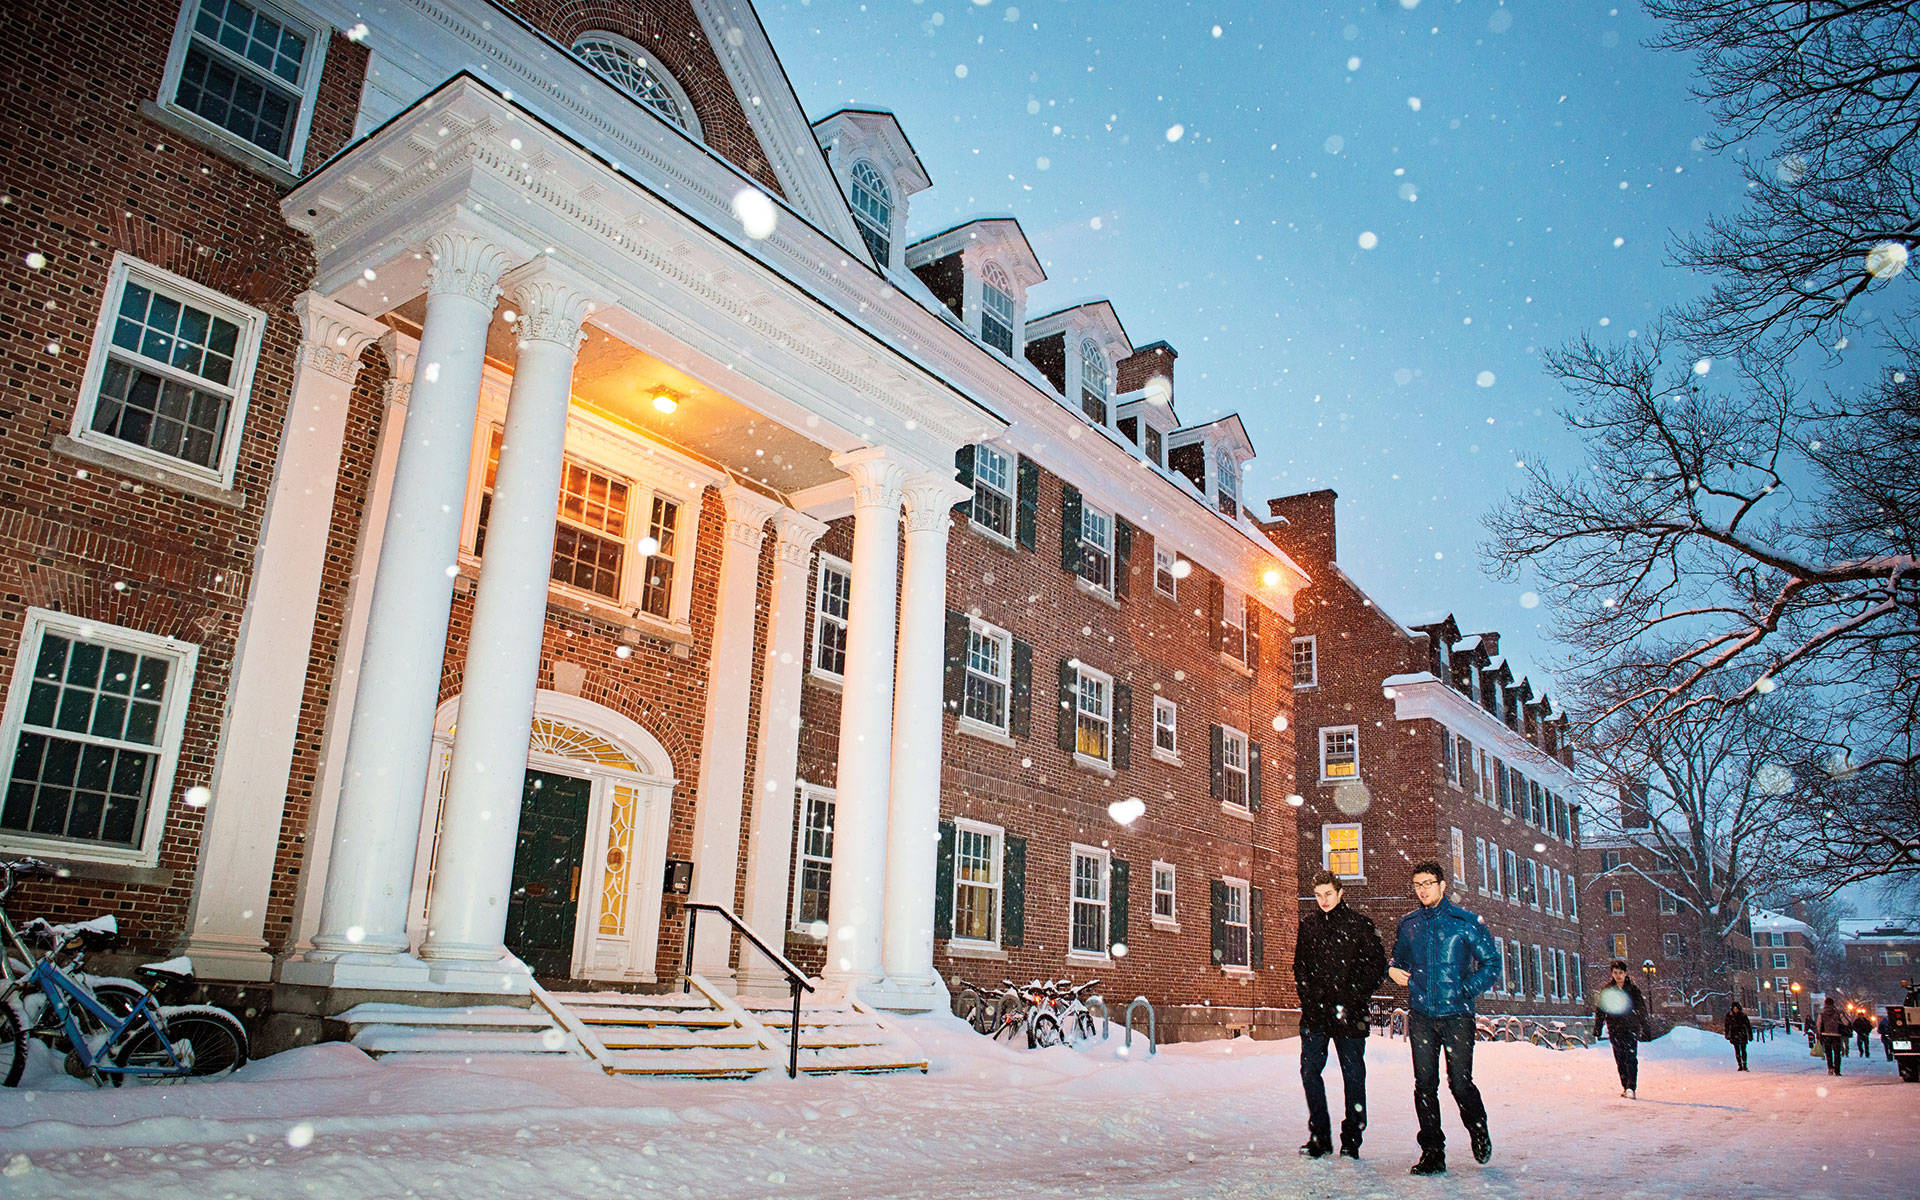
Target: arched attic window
[
  {"x": 996, "y": 309},
  {"x": 1229, "y": 472},
  {"x": 629, "y": 68},
  {"x": 1093, "y": 382},
  {"x": 873, "y": 209}
]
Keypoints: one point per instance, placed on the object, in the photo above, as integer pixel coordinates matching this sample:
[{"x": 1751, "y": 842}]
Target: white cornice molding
[{"x": 1420, "y": 696}]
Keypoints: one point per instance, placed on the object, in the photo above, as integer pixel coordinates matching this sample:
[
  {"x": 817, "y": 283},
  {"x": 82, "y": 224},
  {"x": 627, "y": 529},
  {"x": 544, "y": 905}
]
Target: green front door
[{"x": 546, "y": 872}]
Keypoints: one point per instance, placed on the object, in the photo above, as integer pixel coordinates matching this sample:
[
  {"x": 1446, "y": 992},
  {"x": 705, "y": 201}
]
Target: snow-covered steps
[
  {"x": 838, "y": 1036},
  {"x": 383, "y": 1029}
]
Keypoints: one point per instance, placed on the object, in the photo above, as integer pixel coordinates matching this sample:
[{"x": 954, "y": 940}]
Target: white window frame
[
  {"x": 1539, "y": 976},
  {"x": 1457, "y": 839},
  {"x": 809, "y": 794},
  {"x": 1533, "y": 885},
  {"x": 1105, "y": 902},
  {"x": 312, "y": 68},
  {"x": 1359, "y": 849},
  {"x": 1488, "y": 795},
  {"x": 1449, "y": 756},
  {"x": 1164, "y": 580},
  {"x": 1511, "y": 862},
  {"x": 1312, "y": 646},
  {"x": 1616, "y": 902},
  {"x": 1779, "y": 961},
  {"x": 996, "y": 857},
  {"x": 1669, "y": 903},
  {"x": 823, "y": 564},
  {"x": 1480, "y": 853},
  {"x": 882, "y": 197},
  {"x": 1171, "y": 919},
  {"x": 252, "y": 323},
  {"x": 992, "y": 279},
  {"x": 1497, "y": 876},
  {"x": 1242, "y": 891},
  {"x": 1081, "y": 712},
  {"x": 1232, "y": 742},
  {"x": 1004, "y": 640},
  {"x": 1619, "y": 941},
  {"x": 683, "y": 117},
  {"x": 1333, "y": 731},
  {"x": 1007, "y": 469},
  {"x": 1090, "y": 518},
  {"x": 1233, "y": 623},
  {"x": 185, "y": 659},
  {"x": 1506, "y": 968},
  {"x": 1227, "y": 485},
  {"x": 1166, "y": 716},
  {"x": 1099, "y": 389}
]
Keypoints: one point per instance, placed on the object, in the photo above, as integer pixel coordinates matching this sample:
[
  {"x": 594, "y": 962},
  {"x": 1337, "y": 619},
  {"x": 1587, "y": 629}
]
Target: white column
[
  {"x": 362, "y": 939},
  {"x": 402, "y": 353},
  {"x": 913, "y": 821},
  {"x": 240, "y": 837},
  {"x": 479, "y": 826},
  {"x": 770, "y": 842},
  {"x": 723, "y": 759},
  {"x": 854, "y": 910}
]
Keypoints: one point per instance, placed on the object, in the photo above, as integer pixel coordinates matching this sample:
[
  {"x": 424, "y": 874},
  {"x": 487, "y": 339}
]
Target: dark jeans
[
  {"x": 1626, "y": 1057},
  {"x": 1835, "y": 1048},
  {"x": 1864, "y": 1050},
  {"x": 1740, "y": 1055},
  {"x": 1353, "y": 1076},
  {"x": 1428, "y": 1036}
]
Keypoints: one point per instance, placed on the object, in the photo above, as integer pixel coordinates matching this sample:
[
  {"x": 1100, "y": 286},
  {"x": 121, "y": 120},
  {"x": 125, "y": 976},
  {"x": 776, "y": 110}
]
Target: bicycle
[
  {"x": 81, "y": 940},
  {"x": 148, "y": 1042},
  {"x": 986, "y": 1010}
]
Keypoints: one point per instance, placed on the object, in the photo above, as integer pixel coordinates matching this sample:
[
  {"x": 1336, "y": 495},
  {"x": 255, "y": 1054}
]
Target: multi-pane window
[
  {"x": 989, "y": 676},
  {"x": 1306, "y": 663},
  {"x": 1574, "y": 981},
  {"x": 169, "y": 371},
  {"x": 660, "y": 550},
  {"x": 1340, "y": 753},
  {"x": 1516, "y": 979},
  {"x": 1573, "y": 898},
  {"x": 1512, "y": 862},
  {"x": 1669, "y": 903},
  {"x": 1779, "y": 962},
  {"x": 1494, "y": 885},
  {"x": 1089, "y": 916},
  {"x": 1233, "y": 766},
  {"x": 976, "y": 882},
  {"x": 1530, "y": 891},
  {"x": 1538, "y": 799},
  {"x": 1485, "y": 772},
  {"x": 1447, "y": 759},
  {"x": 1237, "y": 929},
  {"x": 1459, "y": 847},
  {"x": 1609, "y": 859},
  {"x": 1539, "y": 980},
  {"x": 1619, "y": 945},
  {"x": 1560, "y": 974},
  {"x": 1480, "y": 855},
  {"x": 1096, "y": 547},
  {"x": 1163, "y": 905},
  {"x": 1164, "y": 580},
  {"x": 1166, "y": 719},
  {"x": 1340, "y": 850},
  {"x": 1093, "y": 708},
  {"x": 627, "y": 67},
  {"x": 993, "y": 489},
  {"x": 1506, "y": 785},
  {"x": 1153, "y": 446},
  {"x": 1093, "y": 382},
  {"x": 816, "y": 857},
  {"x": 1673, "y": 945},
  {"x": 1233, "y": 624},
  {"x": 833, "y": 592},
  {"x": 1462, "y": 756},
  {"x": 590, "y": 530},
  {"x": 1617, "y": 903},
  {"x": 91, "y": 738},
  {"x": 873, "y": 210},
  {"x": 248, "y": 70},
  {"x": 1228, "y": 497},
  {"x": 996, "y": 309}
]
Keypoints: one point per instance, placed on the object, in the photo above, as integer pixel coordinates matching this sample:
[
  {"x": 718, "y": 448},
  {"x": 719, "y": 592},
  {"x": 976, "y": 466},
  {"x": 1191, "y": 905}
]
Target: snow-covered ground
[{"x": 1220, "y": 1119}]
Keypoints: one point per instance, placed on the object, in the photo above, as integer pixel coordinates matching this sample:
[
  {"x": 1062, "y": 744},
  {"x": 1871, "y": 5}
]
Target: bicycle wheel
[
  {"x": 13, "y": 1040},
  {"x": 1045, "y": 1031},
  {"x": 968, "y": 1008},
  {"x": 210, "y": 1039},
  {"x": 1083, "y": 1027}
]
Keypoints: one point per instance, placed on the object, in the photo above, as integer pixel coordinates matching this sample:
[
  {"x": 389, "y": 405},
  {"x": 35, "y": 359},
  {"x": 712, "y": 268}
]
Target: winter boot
[
  {"x": 1482, "y": 1144},
  {"x": 1432, "y": 1162},
  {"x": 1316, "y": 1148},
  {"x": 1350, "y": 1149}
]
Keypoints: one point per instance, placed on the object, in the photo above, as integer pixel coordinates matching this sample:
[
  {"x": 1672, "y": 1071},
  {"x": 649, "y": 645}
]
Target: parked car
[{"x": 1903, "y": 1033}]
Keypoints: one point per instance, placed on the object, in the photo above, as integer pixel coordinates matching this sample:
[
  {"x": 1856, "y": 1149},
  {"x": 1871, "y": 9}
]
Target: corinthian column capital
[
  {"x": 332, "y": 335},
  {"x": 466, "y": 264},
  {"x": 794, "y": 535},
  {"x": 553, "y": 302},
  {"x": 930, "y": 499},
  {"x": 747, "y": 514},
  {"x": 877, "y": 475}
]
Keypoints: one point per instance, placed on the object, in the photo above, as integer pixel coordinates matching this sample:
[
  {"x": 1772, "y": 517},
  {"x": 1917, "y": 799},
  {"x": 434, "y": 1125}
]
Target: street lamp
[{"x": 1794, "y": 987}]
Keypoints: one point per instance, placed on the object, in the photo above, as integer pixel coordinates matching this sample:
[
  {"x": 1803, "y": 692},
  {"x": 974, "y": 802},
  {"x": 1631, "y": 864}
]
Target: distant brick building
[
  {"x": 1783, "y": 962},
  {"x": 1882, "y": 957},
  {"x": 1419, "y": 743}
]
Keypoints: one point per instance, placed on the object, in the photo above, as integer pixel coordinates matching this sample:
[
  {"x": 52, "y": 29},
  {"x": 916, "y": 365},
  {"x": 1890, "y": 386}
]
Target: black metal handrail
[{"x": 796, "y": 979}]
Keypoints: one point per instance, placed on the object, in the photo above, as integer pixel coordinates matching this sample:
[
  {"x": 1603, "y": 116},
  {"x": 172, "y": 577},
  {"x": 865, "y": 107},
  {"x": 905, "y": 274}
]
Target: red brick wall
[{"x": 84, "y": 174}]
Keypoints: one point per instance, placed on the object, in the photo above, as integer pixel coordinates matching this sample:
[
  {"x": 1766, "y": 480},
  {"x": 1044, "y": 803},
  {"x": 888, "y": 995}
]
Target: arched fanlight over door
[{"x": 634, "y": 72}]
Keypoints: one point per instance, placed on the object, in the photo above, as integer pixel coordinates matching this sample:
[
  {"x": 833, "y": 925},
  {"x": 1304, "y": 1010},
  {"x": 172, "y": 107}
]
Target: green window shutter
[
  {"x": 1253, "y": 776},
  {"x": 1020, "y": 716},
  {"x": 1027, "y": 513},
  {"x": 1253, "y": 634},
  {"x": 1256, "y": 936},
  {"x": 1069, "y": 704},
  {"x": 1216, "y": 616},
  {"x": 1013, "y": 885},
  {"x": 1122, "y": 727},
  {"x": 1122, "y": 551},
  {"x": 963, "y": 474},
  {"x": 943, "y": 884},
  {"x": 1217, "y": 762},
  {"x": 1117, "y": 901},
  {"x": 955, "y": 681},
  {"x": 1070, "y": 529},
  {"x": 1219, "y": 892}
]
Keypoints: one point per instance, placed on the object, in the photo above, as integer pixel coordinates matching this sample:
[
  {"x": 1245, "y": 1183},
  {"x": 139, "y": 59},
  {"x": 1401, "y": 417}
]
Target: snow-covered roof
[
  {"x": 1860, "y": 929},
  {"x": 1773, "y": 922}
]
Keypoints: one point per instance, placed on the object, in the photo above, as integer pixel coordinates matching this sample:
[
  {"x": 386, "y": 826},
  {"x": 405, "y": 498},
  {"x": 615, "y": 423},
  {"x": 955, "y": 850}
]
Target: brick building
[
  {"x": 395, "y": 443},
  {"x": 1783, "y": 952},
  {"x": 1418, "y": 743},
  {"x": 1881, "y": 958}
]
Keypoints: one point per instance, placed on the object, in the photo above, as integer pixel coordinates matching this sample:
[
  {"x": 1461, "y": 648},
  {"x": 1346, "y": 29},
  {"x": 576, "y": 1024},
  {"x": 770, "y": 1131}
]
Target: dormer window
[
  {"x": 1153, "y": 447},
  {"x": 873, "y": 210},
  {"x": 630, "y": 69},
  {"x": 1229, "y": 484},
  {"x": 996, "y": 309},
  {"x": 1093, "y": 382}
]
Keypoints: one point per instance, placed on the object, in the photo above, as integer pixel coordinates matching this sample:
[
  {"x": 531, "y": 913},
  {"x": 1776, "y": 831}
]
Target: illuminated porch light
[{"x": 664, "y": 401}]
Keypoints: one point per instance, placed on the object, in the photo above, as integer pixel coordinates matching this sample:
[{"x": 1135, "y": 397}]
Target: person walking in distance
[
  {"x": 1863, "y": 1034},
  {"x": 1622, "y": 1010},
  {"x": 1831, "y": 1027},
  {"x": 1444, "y": 957},
  {"x": 1739, "y": 1032},
  {"x": 1337, "y": 962}
]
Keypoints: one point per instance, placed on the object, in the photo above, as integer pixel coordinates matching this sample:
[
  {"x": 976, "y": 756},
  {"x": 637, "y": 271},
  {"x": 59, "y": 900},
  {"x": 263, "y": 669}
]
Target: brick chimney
[
  {"x": 1146, "y": 362},
  {"x": 1308, "y": 534}
]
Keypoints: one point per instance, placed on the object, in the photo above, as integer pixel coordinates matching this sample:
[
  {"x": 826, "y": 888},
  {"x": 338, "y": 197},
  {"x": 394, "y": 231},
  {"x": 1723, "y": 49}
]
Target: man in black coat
[
  {"x": 1337, "y": 962},
  {"x": 1623, "y": 1012}
]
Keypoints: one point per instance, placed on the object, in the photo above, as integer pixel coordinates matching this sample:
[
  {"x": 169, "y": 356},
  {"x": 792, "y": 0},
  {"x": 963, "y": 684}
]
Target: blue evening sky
[{"x": 1213, "y": 169}]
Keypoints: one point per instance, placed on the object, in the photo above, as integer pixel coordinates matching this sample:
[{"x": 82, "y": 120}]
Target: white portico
[{"x": 556, "y": 296}]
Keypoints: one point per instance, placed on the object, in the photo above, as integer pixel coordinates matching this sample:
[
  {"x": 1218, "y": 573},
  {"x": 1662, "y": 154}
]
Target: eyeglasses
[{"x": 1426, "y": 883}]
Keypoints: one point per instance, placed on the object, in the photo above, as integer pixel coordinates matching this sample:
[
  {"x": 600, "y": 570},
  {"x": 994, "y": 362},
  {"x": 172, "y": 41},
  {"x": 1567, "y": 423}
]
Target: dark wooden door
[{"x": 545, "y": 901}]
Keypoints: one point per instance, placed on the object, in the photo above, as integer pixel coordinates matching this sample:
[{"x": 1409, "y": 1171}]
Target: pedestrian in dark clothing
[
  {"x": 1886, "y": 1036},
  {"x": 1863, "y": 1033},
  {"x": 1622, "y": 1010},
  {"x": 1831, "y": 1027},
  {"x": 1444, "y": 957},
  {"x": 1337, "y": 962},
  {"x": 1739, "y": 1032}
]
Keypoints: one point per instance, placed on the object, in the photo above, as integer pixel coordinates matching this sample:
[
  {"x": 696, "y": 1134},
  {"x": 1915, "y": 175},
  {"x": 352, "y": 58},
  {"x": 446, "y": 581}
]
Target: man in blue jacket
[{"x": 1444, "y": 957}]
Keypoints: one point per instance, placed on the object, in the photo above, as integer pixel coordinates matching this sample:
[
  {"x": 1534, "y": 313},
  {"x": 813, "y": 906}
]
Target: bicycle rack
[
  {"x": 1153, "y": 1042},
  {"x": 1106, "y": 1022}
]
